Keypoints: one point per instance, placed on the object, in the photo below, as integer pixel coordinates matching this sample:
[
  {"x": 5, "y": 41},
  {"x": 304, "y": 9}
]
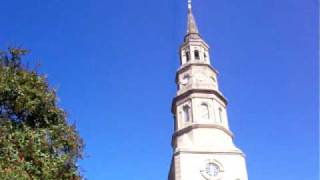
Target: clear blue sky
[{"x": 114, "y": 63}]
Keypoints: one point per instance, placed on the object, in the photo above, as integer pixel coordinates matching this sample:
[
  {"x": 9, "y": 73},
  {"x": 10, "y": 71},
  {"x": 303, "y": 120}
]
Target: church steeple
[
  {"x": 192, "y": 25},
  {"x": 202, "y": 141},
  {"x": 194, "y": 49},
  {"x": 192, "y": 28}
]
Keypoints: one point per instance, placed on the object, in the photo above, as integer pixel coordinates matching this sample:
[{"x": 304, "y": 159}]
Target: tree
[{"x": 36, "y": 141}]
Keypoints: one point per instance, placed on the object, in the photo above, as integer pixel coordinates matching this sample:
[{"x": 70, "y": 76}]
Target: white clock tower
[{"x": 202, "y": 142}]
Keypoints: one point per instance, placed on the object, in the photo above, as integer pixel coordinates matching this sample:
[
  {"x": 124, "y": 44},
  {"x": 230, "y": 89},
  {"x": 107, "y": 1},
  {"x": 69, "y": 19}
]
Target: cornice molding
[
  {"x": 192, "y": 151},
  {"x": 196, "y": 38}
]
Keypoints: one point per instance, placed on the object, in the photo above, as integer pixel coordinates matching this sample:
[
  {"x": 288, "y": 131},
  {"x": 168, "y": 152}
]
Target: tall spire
[{"x": 192, "y": 26}]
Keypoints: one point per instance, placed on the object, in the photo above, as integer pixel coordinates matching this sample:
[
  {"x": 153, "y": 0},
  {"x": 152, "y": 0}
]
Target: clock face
[
  {"x": 212, "y": 80},
  {"x": 200, "y": 77},
  {"x": 185, "y": 80},
  {"x": 212, "y": 170}
]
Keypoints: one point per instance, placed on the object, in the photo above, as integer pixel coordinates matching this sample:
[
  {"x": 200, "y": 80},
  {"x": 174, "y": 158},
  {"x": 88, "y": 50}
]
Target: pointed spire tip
[
  {"x": 189, "y": 4},
  {"x": 192, "y": 26}
]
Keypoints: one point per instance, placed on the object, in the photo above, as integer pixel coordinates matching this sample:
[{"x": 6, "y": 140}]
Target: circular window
[{"x": 212, "y": 170}]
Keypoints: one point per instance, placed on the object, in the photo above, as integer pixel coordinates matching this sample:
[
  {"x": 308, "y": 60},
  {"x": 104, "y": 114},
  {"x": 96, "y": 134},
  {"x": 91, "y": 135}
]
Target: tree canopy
[{"x": 36, "y": 140}]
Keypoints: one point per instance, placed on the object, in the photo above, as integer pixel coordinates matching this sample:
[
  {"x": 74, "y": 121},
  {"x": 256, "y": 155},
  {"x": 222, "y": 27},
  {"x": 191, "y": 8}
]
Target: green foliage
[{"x": 36, "y": 142}]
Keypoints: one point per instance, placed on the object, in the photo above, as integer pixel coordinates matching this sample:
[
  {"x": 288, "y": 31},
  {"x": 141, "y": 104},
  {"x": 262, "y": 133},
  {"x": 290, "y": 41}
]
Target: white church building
[{"x": 202, "y": 142}]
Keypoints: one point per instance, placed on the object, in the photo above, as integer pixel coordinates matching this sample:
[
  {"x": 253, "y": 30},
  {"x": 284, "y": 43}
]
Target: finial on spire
[{"x": 189, "y": 4}]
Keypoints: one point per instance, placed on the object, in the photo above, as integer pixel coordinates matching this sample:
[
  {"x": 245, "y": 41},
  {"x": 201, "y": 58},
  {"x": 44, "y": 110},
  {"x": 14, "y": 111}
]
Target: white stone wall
[
  {"x": 191, "y": 166},
  {"x": 205, "y": 139}
]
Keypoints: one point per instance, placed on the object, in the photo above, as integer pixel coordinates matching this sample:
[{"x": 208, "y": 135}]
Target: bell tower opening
[{"x": 196, "y": 55}]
